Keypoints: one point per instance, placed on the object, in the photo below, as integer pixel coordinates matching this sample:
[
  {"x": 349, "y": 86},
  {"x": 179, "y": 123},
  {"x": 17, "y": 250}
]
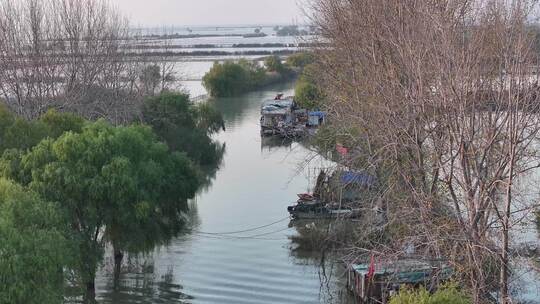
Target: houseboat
[
  {"x": 278, "y": 116},
  {"x": 281, "y": 116}
]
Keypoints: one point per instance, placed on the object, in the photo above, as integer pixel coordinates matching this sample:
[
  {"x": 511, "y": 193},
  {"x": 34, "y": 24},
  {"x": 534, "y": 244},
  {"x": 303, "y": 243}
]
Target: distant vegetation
[
  {"x": 290, "y": 30},
  {"x": 170, "y": 53},
  {"x": 180, "y": 36},
  {"x": 232, "y": 78},
  {"x": 300, "y": 60},
  {"x": 217, "y": 46}
]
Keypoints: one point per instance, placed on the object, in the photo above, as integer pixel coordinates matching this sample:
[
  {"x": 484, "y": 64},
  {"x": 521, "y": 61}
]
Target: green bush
[
  {"x": 33, "y": 250},
  {"x": 448, "y": 294},
  {"x": 19, "y": 133},
  {"x": 185, "y": 127},
  {"x": 274, "y": 64},
  {"x": 307, "y": 93},
  {"x": 300, "y": 60},
  {"x": 230, "y": 78}
]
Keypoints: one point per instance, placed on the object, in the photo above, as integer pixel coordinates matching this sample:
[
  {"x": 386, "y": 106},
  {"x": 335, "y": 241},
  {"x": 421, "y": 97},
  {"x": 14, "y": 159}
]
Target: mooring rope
[
  {"x": 256, "y": 236},
  {"x": 242, "y": 231}
]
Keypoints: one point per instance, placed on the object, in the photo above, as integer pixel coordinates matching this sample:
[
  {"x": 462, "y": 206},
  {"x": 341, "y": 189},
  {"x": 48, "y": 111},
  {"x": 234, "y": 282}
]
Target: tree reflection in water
[{"x": 311, "y": 246}]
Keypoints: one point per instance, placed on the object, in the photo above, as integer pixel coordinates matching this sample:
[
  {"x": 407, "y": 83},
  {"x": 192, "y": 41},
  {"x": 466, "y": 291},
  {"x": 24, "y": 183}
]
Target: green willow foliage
[
  {"x": 33, "y": 248},
  {"x": 112, "y": 185},
  {"x": 448, "y": 294},
  {"x": 300, "y": 60},
  {"x": 120, "y": 180},
  {"x": 185, "y": 127},
  {"x": 19, "y": 133}
]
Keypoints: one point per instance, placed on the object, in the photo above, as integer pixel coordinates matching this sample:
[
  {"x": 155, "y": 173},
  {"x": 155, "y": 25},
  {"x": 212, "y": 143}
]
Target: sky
[{"x": 210, "y": 12}]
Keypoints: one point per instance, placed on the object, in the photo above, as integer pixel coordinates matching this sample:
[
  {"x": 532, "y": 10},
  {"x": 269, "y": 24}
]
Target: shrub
[
  {"x": 300, "y": 60},
  {"x": 234, "y": 78},
  {"x": 33, "y": 250},
  {"x": 185, "y": 127},
  {"x": 306, "y": 93},
  {"x": 227, "y": 79},
  {"x": 274, "y": 64},
  {"x": 448, "y": 294}
]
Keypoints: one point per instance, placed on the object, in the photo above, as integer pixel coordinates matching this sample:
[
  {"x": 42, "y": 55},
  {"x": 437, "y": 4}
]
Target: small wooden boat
[
  {"x": 316, "y": 210},
  {"x": 306, "y": 197}
]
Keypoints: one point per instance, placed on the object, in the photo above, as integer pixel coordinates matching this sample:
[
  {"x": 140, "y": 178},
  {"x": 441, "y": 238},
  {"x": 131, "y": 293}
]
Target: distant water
[
  {"x": 256, "y": 182},
  {"x": 210, "y": 30},
  {"x": 220, "y": 39}
]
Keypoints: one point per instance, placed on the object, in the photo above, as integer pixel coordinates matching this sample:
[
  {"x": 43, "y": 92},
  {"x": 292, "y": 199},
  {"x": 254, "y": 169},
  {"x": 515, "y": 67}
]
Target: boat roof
[
  {"x": 406, "y": 270},
  {"x": 277, "y": 106},
  {"x": 319, "y": 114},
  {"x": 361, "y": 178}
]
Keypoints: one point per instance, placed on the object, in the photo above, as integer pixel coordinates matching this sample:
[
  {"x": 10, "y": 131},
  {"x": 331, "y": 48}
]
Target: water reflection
[
  {"x": 141, "y": 284},
  {"x": 272, "y": 142},
  {"x": 306, "y": 248}
]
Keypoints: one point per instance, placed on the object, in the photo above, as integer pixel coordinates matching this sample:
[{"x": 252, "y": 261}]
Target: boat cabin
[
  {"x": 316, "y": 118},
  {"x": 277, "y": 113},
  {"x": 344, "y": 186},
  {"x": 377, "y": 281}
]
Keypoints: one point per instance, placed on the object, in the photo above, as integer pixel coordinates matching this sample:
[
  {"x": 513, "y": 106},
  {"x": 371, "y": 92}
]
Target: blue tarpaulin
[
  {"x": 364, "y": 179},
  {"x": 319, "y": 114}
]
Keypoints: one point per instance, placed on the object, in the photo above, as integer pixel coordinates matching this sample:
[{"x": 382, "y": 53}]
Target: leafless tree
[
  {"x": 438, "y": 99},
  {"x": 73, "y": 55}
]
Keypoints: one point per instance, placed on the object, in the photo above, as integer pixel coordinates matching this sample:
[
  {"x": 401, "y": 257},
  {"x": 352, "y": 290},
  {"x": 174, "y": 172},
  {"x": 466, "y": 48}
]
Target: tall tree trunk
[{"x": 505, "y": 259}]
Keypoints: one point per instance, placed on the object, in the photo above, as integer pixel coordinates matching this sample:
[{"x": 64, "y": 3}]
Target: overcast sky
[{"x": 210, "y": 12}]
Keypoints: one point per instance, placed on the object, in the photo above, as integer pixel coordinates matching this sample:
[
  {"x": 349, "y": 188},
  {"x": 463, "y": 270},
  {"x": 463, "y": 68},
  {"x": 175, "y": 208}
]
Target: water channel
[{"x": 253, "y": 187}]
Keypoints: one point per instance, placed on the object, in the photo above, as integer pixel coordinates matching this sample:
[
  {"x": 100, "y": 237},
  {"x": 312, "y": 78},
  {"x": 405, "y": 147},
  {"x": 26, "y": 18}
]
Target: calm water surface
[{"x": 253, "y": 187}]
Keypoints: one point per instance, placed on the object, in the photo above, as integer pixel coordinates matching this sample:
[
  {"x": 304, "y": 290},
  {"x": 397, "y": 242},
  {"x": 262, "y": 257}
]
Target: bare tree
[
  {"x": 68, "y": 54},
  {"x": 438, "y": 100}
]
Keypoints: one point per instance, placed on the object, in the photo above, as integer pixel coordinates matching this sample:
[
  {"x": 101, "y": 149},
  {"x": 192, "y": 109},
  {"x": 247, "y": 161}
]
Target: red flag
[
  {"x": 371, "y": 268},
  {"x": 342, "y": 150}
]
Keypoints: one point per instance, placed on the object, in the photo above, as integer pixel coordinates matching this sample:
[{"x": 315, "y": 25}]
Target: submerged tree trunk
[
  {"x": 90, "y": 292},
  {"x": 118, "y": 258}
]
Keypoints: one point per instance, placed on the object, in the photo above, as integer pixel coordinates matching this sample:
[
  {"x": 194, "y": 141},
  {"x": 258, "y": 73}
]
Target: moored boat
[{"x": 314, "y": 209}]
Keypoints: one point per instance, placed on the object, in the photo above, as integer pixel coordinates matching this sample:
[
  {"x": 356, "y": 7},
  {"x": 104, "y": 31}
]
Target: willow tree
[
  {"x": 21, "y": 134},
  {"x": 185, "y": 127},
  {"x": 442, "y": 103},
  {"x": 33, "y": 249},
  {"x": 114, "y": 184}
]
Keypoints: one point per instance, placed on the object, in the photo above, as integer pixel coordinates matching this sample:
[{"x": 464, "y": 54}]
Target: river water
[{"x": 253, "y": 187}]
